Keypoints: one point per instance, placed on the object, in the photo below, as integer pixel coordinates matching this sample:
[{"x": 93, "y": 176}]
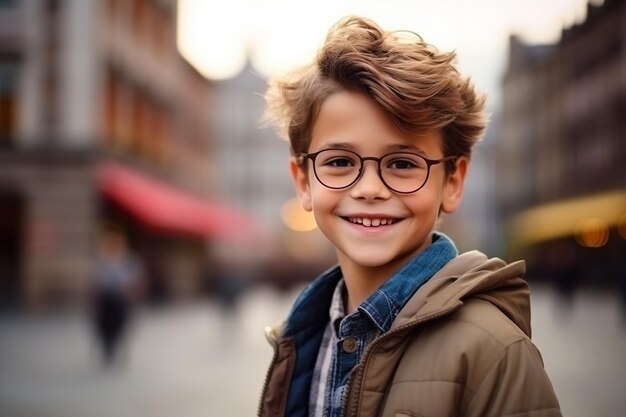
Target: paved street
[{"x": 192, "y": 361}]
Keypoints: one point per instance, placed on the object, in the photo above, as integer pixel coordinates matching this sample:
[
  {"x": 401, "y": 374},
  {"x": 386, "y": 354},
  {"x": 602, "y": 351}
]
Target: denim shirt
[{"x": 348, "y": 336}]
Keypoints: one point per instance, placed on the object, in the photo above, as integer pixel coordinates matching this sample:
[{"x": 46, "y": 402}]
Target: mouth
[{"x": 372, "y": 221}]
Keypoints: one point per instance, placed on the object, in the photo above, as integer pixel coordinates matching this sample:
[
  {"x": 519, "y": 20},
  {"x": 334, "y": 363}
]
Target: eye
[
  {"x": 405, "y": 162},
  {"x": 337, "y": 158},
  {"x": 401, "y": 164},
  {"x": 339, "y": 162}
]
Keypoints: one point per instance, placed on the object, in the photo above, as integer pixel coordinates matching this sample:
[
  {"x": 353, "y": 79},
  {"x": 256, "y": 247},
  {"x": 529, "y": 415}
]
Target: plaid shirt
[{"x": 346, "y": 337}]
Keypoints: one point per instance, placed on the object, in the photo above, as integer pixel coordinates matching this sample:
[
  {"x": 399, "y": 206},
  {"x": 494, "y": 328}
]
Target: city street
[{"x": 193, "y": 360}]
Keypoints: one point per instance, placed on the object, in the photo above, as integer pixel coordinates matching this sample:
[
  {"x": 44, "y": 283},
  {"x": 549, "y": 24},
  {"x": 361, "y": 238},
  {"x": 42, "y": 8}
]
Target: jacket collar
[{"x": 467, "y": 274}]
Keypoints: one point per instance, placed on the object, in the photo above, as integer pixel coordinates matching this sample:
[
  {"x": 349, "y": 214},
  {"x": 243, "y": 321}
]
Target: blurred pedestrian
[
  {"x": 118, "y": 283},
  {"x": 381, "y": 128},
  {"x": 564, "y": 269}
]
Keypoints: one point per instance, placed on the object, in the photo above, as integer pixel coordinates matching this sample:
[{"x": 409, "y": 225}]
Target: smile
[{"x": 368, "y": 222}]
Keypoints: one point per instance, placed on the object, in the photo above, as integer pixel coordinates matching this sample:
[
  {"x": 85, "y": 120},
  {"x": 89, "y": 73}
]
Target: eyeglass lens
[{"x": 402, "y": 172}]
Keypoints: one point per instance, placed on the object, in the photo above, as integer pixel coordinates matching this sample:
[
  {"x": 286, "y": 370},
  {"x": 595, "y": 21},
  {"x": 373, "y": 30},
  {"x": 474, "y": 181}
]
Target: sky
[{"x": 277, "y": 35}]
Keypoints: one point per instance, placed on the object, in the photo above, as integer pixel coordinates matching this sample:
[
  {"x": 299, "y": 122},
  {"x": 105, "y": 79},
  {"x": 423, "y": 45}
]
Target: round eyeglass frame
[{"x": 429, "y": 163}]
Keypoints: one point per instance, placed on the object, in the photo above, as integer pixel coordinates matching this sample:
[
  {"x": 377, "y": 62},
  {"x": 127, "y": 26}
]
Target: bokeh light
[
  {"x": 592, "y": 233},
  {"x": 296, "y": 218}
]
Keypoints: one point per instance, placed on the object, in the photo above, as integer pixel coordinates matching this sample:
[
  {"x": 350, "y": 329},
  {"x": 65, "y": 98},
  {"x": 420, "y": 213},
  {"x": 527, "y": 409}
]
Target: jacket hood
[{"x": 472, "y": 275}]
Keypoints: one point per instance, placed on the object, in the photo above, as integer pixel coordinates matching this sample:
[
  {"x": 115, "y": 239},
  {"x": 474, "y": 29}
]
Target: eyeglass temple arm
[
  {"x": 301, "y": 158},
  {"x": 446, "y": 159}
]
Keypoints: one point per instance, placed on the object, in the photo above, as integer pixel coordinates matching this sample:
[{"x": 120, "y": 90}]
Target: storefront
[
  {"x": 581, "y": 240},
  {"x": 54, "y": 209},
  {"x": 170, "y": 228}
]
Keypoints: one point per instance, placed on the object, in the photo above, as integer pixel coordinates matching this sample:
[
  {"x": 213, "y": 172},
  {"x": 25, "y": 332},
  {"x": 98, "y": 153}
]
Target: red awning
[{"x": 167, "y": 209}]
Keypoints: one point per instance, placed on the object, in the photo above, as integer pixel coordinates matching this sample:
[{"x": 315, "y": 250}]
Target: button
[{"x": 349, "y": 344}]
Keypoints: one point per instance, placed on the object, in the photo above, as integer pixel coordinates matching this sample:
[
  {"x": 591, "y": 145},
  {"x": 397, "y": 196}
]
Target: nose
[{"x": 370, "y": 186}]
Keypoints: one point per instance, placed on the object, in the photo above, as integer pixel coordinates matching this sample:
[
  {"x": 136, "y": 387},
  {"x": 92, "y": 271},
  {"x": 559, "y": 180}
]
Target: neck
[{"x": 361, "y": 281}]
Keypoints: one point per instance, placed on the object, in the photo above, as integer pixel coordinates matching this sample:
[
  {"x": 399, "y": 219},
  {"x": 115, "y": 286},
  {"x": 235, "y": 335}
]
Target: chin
[
  {"x": 380, "y": 259},
  {"x": 374, "y": 260}
]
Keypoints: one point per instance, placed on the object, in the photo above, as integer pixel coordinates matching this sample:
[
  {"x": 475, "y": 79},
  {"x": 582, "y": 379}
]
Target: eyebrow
[
  {"x": 340, "y": 145},
  {"x": 403, "y": 147},
  {"x": 396, "y": 147}
]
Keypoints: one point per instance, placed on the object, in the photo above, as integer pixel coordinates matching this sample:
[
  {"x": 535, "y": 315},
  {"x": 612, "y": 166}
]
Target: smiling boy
[{"x": 381, "y": 128}]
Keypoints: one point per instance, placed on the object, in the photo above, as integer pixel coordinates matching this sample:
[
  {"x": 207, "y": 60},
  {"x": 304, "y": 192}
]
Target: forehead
[{"x": 353, "y": 118}]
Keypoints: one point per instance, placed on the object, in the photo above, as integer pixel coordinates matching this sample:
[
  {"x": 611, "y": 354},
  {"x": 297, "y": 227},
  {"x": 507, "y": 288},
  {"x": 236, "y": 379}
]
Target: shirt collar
[{"x": 337, "y": 308}]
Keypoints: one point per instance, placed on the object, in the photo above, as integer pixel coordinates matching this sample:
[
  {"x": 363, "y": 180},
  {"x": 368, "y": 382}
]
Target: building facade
[
  {"x": 101, "y": 122},
  {"x": 251, "y": 158},
  {"x": 253, "y": 165},
  {"x": 561, "y": 153}
]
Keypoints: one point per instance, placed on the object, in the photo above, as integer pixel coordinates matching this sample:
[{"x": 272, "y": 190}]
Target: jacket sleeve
[{"x": 516, "y": 385}]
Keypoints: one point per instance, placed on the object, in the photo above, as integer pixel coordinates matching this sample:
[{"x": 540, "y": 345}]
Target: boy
[{"x": 381, "y": 128}]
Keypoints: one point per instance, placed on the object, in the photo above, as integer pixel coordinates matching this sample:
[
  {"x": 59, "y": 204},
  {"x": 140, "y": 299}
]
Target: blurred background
[{"x": 148, "y": 230}]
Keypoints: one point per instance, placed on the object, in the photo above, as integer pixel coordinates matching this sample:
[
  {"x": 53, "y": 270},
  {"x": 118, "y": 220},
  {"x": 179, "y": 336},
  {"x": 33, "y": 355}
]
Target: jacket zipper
[
  {"x": 272, "y": 338},
  {"x": 366, "y": 355}
]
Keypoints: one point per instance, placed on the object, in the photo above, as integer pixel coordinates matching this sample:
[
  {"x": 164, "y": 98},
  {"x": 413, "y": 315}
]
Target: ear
[
  {"x": 301, "y": 182},
  {"x": 453, "y": 188}
]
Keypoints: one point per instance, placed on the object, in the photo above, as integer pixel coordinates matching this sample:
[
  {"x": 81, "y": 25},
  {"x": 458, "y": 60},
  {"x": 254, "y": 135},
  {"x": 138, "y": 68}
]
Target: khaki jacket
[{"x": 460, "y": 347}]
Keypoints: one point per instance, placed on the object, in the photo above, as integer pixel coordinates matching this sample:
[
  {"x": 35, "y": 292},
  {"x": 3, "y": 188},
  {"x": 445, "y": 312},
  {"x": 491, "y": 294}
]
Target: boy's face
[{"x": 352, "y": 121}]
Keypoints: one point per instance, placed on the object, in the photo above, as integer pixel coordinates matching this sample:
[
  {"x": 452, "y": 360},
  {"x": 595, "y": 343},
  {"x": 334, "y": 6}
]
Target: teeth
[{"x": 370, "y": 222}]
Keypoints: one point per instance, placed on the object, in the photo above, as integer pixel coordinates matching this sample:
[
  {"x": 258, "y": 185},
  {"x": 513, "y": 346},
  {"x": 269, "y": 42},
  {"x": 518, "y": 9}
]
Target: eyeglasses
[{"x": 401, "y": 172}]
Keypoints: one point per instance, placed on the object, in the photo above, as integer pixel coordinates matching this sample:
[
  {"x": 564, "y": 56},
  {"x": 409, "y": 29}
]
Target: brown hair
[{"x": 418, "y": 86}]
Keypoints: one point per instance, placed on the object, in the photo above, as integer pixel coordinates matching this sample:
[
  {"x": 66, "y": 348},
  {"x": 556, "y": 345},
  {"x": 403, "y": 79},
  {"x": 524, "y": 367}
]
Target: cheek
[
  {"x": 322, "y": 199},
  {"x": 425, "y": 204},
  {"x": 325, "y": 204}
]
